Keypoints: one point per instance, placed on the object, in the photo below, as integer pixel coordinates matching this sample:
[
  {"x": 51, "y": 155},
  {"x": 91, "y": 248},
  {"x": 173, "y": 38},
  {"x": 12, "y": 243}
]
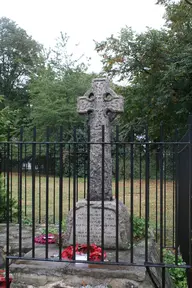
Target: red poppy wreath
[
  {"x": 42, "y": 239},
  {"x": 95, "y": 252}
]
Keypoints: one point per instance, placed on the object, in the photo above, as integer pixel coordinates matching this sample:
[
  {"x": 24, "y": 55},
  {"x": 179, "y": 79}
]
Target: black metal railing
[{"x": 152, "y": 179}]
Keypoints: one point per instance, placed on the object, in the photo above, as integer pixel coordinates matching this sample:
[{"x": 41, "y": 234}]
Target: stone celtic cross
[{"x": 102, "y": 104}]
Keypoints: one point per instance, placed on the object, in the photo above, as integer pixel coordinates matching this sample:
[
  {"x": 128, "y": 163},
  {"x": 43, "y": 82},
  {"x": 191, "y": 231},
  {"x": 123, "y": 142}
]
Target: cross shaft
[{"x": 100, "y": 102}]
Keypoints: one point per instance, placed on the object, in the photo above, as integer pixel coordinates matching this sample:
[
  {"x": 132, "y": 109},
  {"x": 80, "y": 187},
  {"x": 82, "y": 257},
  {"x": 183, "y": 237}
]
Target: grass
[{"x": 138, "y": 199}]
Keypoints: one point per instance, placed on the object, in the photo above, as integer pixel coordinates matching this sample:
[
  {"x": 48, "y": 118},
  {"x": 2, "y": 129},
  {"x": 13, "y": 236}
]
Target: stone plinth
[
  {"x": 95, "y": 226},
  {"x": 42, "y": 274}
]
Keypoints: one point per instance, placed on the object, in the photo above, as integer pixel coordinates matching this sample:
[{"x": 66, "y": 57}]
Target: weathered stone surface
[
  {"x": 102, "y": 104},
  {"x": 113, "y": 283},
  {"x": 14, "y": 237},
  {"x": 41, "y": 273},
  {"x": 58, "y": 284},
  {"x": 96, "y": 224}
]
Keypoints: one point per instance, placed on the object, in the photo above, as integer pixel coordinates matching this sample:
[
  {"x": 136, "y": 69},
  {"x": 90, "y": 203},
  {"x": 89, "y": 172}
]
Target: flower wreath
[
  {"x": 95, "y": 252},
  {"x": 42, "y": 239},
  {"x": 3, "y": 278}
]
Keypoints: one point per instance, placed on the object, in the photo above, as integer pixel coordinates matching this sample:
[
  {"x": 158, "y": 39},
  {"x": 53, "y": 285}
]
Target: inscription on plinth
[{"x": 95, "y": 224}]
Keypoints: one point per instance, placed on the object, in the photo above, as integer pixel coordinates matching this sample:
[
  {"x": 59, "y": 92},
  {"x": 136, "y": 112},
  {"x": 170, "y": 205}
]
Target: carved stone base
[{"x": 95, "y": 224}]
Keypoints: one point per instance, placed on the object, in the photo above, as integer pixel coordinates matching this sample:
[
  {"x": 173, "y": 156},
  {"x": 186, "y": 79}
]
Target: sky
[{"x": 83, "y": 20}]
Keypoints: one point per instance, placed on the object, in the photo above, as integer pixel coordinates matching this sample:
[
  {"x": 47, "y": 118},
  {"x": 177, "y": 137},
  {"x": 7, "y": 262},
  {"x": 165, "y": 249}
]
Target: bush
[
  {"x": 138, "y": 228},
  {"x": 178, "y": 275},
  {"x": 13, "y": 207}
]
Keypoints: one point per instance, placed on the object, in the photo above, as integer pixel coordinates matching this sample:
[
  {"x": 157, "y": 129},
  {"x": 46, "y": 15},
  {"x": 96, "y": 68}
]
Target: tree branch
[
  {"x": 164, "y": 2},
  {"x": 141, "y": 66},
  {"x": 188, "y": 2}
]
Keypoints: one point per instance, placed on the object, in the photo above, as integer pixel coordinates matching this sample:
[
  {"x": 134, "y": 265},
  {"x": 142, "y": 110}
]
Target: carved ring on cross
[
  {"x": 106, "y": 97},
  {"x": 91, "y": 97},
  {"x": 100, "y": 99}
]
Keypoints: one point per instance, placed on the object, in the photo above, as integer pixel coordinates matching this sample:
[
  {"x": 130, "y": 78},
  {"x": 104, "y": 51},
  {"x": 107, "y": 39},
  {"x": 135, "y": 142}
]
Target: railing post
[
  {"x": 20, "y": 190},
  {"x": 146, "y": 195},
  {"x": 190, "y": 187},
  {"x": 132, "y": 190},
  {"x": 74, "y": 188},
  {"x": 117, "y": 192},
  {"x": 88, "y": 191},
  {"x": 60, "y": 189},
  {"x": 47, "y": 192},
  {"x": 189, "y": 271},
  {"x": 33, "y": 190},
  {"x": 8, "y": 209},
  {"x": 161, "y": 193}
]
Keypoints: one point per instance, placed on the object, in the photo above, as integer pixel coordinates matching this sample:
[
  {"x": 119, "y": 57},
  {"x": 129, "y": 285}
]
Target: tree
[
  {"x": 54, "y": 90},
  {"x": 188, "y": 2},
  {"x": 157, "y": 65},
  {"x": 19, "y": 57},
  {"x": 7, "y": 121},
  {"x": 167, "y": 2},
  {"x": 54, "y": 101}
]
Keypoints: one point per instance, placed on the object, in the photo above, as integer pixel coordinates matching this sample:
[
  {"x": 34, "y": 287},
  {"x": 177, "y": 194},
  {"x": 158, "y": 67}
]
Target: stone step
[
  {"x": 14, "y": 236},
  {"x": 41, "y": 273}
]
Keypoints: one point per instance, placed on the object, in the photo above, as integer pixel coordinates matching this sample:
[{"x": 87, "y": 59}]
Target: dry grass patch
[{"x": 138, "y": 200}]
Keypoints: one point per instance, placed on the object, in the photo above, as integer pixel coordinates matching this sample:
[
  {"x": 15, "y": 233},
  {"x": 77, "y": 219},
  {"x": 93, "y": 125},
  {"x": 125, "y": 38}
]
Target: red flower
[
  {"x": 42, "y": 239},
  {"x": 95, "y": 252},
  {"x": 3, "y": 279}
]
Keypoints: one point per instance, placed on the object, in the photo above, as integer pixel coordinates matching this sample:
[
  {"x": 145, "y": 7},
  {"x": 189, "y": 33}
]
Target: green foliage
[
  {"x": 54, "y": 101},
  {"x": 178, "y": 275},
  {"x": 55, "y": 229},
  {"x": 64, "y": 225},
  {"x": 138, "y": 228},
  {"x": 27, "y": 221},
  {"x": 54, "y": 89},
  {"x": 157, "y": 65},
  {"x": 168, "y": 2},
  {"x": 13, "y": 208},
  {"x": 19, "y": 57},
  {"x": 52, "y": 230},
  {"x": 7, "y": 120}
]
